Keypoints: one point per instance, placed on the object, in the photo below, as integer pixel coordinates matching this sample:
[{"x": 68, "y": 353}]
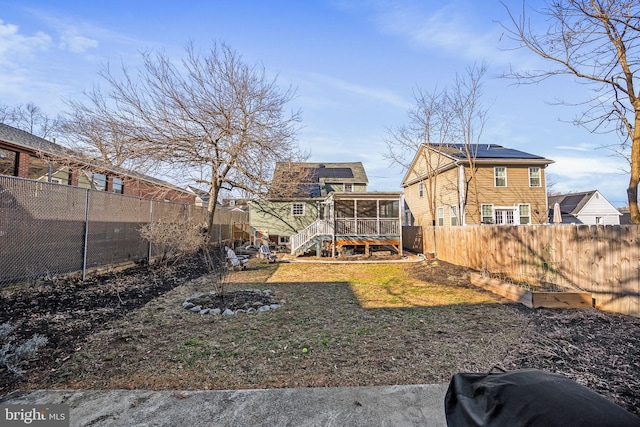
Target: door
[{"x": 505, "y": 216}]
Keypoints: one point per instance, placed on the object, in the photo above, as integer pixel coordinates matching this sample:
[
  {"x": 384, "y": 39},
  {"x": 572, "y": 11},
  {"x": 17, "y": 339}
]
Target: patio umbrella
[{"x": 557, "y": 215}]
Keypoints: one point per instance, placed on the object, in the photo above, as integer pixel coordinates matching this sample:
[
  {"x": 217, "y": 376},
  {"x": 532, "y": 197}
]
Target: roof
[
  {"x": 26, "y": 140},
  {"x": 308, "y": 180},
  {"x": 485, "y": 151},
  {"x": 571, "y": 203},
  {"x": 480, "y": 153}
]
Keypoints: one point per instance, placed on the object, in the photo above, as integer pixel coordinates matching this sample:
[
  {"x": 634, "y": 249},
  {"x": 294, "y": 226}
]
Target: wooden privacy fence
[{"x": 603, "y": 260}]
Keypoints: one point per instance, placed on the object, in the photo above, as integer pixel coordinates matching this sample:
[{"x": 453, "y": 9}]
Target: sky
[{"x": 355, "y": 65}]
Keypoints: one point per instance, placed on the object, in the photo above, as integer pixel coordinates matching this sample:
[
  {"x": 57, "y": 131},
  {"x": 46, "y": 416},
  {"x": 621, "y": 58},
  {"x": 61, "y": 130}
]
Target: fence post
[
  {"x": 150, "y": 230},
  {"x": 86, "y": 236}
]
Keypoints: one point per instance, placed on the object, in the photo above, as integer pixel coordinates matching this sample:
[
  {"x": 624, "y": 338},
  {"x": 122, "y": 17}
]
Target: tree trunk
[
  {"x": 211, "y": 208},
  {"x": 632, "y": 190}
]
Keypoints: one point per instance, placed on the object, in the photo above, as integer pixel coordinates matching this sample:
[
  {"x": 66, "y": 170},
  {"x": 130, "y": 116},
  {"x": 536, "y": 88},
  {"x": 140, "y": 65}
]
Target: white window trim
[
  {"x": 440, "y": 216},
  {"x": 539, "y": 177},
  {"x": 495, "y": 177},
  {"x": 347, "y": 188},
  {"x": 454, "y": 209},
  {"x": 293, "y": 210},
  {"x": 529, "y": 216},
  {"x": 493, "y": 212},
  {"x": 421, "y": 190}
]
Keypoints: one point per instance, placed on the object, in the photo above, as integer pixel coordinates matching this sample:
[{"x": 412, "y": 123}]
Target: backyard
[{"x": 337, "y": 325}]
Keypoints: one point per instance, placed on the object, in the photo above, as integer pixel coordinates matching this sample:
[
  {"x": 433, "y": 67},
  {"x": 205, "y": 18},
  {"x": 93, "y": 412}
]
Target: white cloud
[
  {"x": 77, "y": 43},
  {"x": 14, "y": 45}
]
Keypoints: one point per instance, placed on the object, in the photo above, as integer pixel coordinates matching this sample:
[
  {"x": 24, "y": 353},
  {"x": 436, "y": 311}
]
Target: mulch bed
[
  {"x": 596, "y": 349},
  {"x": 67, "y": 310}
]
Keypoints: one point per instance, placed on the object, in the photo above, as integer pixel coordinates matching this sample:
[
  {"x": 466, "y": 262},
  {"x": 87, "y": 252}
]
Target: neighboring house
[
  {"x": 27, "y": 156},
  {"x": 325, "y": 206},
  {"x": 588, "y": 207},
  {"x": 448, "y": 185}
]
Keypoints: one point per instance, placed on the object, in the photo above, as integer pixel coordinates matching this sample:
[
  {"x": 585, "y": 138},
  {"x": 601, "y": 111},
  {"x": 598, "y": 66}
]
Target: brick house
[{"x": 25, "y": 155}]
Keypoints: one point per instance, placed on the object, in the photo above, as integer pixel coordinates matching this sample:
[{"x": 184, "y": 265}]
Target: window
[
  {"x": 525, "y": 214},
  {"x": 367, "y": 209},
  {"x": 283, "y": 240},
  {"x": 505, "y": 216},
  {"x": 534, "y": 177},
  {"x": 500, "y": 175},
  {"x": 99, "y": 182},
  {"x": 297, "y": 209},
  {"x": 440, "y": 217},
  {"x": 487, "y": 214},
  {"x": 348, "y": 188},
  {"x": 38, "y": 169},
  {"x": 116, "y": 185},
  {"x": 421, "y": 190},
  {"x": 8, "y": 162},
  {"x": 389, "y": 208},
  {"x": 454, "y": 215}
]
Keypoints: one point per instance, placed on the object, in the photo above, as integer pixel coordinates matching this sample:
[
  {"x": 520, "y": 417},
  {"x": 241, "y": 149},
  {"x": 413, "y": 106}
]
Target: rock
[
  {"x": 264, "y": 308},
  {"x": 215, "y": 311},
  {"x": 228, "y": 312},
  {"x": 274, "y": 306},
  {"x": 251, "y": 310},
  {"x": 196, "y": 309},
  {"x": 205, "y": 311},
  {"x": 240, "y": 310},
  {"x": 187, "y": 304}
]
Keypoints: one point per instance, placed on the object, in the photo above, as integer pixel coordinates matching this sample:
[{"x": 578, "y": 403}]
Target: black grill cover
[{"x": 528, "y": 398}]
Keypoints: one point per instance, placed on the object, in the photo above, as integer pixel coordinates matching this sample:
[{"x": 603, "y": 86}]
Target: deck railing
[
  {"x": 319, "y": 227},
  {"x": 347, "y": 227},
  {"x": 368, "y": 227}
]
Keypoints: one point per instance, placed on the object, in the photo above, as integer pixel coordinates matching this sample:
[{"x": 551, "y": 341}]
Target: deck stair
[{"x": 318, "y": 231}]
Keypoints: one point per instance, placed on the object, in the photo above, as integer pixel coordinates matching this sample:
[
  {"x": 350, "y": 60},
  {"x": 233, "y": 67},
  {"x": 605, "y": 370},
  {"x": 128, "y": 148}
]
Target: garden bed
[{"x": 533, "y": 298}]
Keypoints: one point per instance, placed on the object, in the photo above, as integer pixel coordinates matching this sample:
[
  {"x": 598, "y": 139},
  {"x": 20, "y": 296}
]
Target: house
[
  {"x": 28, "y": 156},
  {"x": 325, "y": 206},
  {"x": 454, "y": 184},
  {"x": 588, "y": 207}
]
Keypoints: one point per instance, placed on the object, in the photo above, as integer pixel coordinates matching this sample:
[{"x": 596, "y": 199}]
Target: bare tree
[
  {"x": 211, "y": 113},
  {"x": 92, "y": 129},
  {"x": 469, "y": 117},
  {"x": 597, "y": 42},
  {"x": 32, "y": 119},
  {"x": 451, "y": 117},
  {"x": 430, "y": 123}
]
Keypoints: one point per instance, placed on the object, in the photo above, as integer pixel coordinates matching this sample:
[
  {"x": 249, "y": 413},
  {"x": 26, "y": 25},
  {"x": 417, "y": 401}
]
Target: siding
[
  {"x": 276, "y": 219},
  {"x": 516, "y": 192},
  {"x": 598, "y": 206}
]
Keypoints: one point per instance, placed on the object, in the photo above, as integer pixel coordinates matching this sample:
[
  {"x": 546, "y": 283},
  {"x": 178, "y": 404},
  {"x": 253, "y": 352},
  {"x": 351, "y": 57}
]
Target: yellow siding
[
  {"x": 447, "y": 183},
  {"x": 516, "y": 192}
]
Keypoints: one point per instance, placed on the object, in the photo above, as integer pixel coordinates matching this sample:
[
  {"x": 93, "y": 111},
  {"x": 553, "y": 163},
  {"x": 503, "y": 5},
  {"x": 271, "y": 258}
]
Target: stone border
[{"x": 187, "y": 304}]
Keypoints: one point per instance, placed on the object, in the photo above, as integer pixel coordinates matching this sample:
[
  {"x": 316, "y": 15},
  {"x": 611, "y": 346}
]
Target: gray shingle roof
[
  {"x": 571, "y": 203},
  {"x": 307, "y": 179}
]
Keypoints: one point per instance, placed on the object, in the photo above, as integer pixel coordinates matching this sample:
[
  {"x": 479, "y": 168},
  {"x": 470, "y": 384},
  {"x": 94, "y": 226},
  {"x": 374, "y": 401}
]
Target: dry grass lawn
[{"x": 339, "y": 325}]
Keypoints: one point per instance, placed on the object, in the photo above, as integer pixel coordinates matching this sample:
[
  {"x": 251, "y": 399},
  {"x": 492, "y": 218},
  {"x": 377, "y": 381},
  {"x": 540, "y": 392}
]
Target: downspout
[{"x": 461, "y": 191}]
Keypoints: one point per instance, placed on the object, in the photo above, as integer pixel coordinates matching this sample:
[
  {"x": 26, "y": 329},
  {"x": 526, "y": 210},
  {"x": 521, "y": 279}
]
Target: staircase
[{"x": 317, "y": 231}]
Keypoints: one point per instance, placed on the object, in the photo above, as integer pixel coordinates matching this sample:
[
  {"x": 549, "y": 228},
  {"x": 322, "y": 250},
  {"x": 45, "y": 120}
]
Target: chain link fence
[{"x": 50, "y": 229}]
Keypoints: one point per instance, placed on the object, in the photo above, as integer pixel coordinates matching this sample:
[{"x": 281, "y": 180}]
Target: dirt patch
[{"x": 129, "y": 330}]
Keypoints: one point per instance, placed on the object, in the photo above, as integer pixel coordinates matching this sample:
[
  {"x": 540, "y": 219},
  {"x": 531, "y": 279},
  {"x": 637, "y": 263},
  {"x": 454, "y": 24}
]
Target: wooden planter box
[{"x": 533, "y": 299}]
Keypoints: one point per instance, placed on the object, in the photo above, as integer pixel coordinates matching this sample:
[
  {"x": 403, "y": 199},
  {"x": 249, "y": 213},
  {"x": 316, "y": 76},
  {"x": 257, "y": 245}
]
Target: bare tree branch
[{"x": 598, "y": 42}]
